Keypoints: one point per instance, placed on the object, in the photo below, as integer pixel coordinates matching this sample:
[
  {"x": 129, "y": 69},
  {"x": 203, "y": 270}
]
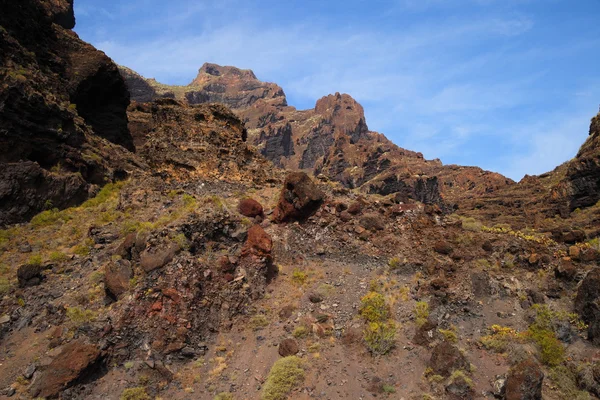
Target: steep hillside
[{"x": 62, "y": 110}]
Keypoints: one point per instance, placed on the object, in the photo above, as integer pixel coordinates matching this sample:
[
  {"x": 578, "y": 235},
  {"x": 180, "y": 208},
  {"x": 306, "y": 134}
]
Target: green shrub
[
  {"x": 286, "y": 373},
  {"x": 80, "y": 316},
  {"x": 394, "y": 263},
  {"x": 48, "y": 217},
  {"x": 35, "y": 260},
  {"x": 380, "y": 337},
  {"x": 300, "y": 332},
  {"x": 373, "y": 307},
  {"x": 299, "y": 277},
  {"x": 109, "y": 191},
  {"x": 57, "y": 256},
  {"x": 182, "y": 241},
  {"x": 421, "y": 312},
  {"x": 566, "y": 383},
  {"x": 258, "y": 322},
  {"x": 471, "y": 224},
  {"x": 137, "y": 393}
]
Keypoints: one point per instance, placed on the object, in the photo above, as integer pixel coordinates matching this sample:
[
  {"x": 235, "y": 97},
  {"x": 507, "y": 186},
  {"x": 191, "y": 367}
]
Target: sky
[{"x": 506, "y": 85}]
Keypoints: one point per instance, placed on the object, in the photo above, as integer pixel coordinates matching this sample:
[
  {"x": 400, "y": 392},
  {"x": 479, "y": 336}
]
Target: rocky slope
[
  {"x": 62, "y": 108},
  {"x": 332, "y": 139},
  {"x": 205, "y": 272}
]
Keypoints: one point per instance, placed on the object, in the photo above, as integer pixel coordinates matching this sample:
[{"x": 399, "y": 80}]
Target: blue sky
[{"x": 507, "y": 85}]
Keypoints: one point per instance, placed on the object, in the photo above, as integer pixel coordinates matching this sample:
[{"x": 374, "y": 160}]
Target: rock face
[
  {"x": 183, "y": 142},
  {"x": 116, "y": 278},
  {"x": 586, "y": 304},
  {"x": 74, "y": 361},
  {"x": 524, "y": 381},
  {"x": 59, "y": 97},
  {"x": 299, "y": 198},
  {"x": 332, "y": 139}
]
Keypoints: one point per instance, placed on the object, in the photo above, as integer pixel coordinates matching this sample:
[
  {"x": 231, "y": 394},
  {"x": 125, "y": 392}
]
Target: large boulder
[
  {"x": 524, "y": 381},
  {"x": 75, "y": 361},
  {"x": 447, "y": 358},
  {"x": 300, "y": 198}
]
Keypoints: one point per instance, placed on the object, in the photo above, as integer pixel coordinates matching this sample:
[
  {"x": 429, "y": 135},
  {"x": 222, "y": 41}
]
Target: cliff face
[
  {"x": 332, "y": 139},
  {"x": 59, "y": 99}
]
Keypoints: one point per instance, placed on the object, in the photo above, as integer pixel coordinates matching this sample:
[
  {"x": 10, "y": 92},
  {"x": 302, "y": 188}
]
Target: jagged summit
[{"x": 218, "y": 70}]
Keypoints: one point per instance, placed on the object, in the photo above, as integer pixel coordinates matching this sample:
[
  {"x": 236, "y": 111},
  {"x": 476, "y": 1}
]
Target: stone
[
  {"x": 355, "y": 208},
  {"x": 288, "y": 347},
  {"x": 524, "y": 381},
  {"x": 447, "y": 358},
  {"x": 157, "y": 257},
  {"x": 30, "y": 275},
  {"x": 259, "y": 243},
  {"x": 74, "y": 362},
  {"x": 117, "y": 275},
  {"x": 300, "y": 198},
  {"x": 372, "y": 222},
  {"x": 29, "y": 371},
  {"x": 442, "y": 247},
  {"x": 487, "y": 246},
  {"x": 250, "y": 208},
  {"x": 345, "y": 216},
  {"x": 125, "y": 248}
]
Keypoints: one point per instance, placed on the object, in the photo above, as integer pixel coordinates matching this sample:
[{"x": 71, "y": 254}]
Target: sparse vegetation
[
  {"x": 80, "y": 316},
  {"x": 137, "y": 393},
  {"x": 421, "y": 313},
  {"x": 258, "y": 322},
  {"x": 285, "y": 374},
  {"x": 224, "y": 396},
  {"x": 394, "y": 263},
  {"x": 35, "y": 260},
  {"x": 299, "y": 277},
  {"x": 374, "y": 308},
  {"x": 380, "y": 332},
  {"x": 300, "y": 332}
]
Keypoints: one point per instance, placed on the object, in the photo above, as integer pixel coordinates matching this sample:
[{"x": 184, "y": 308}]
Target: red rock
[
  {"x": 288, "y": 347},
  {"x": 258, "y": 243},
  {"x": 156, "y": 306},
  {"x": 157, "y": 257},
  {"x": 75, "y": 360},
  {"x": 172, "y": 294},
  {"x": 300, "y": 198},
  {"x": 524, "y": 381},
  {"x": 250, "y": 208}
]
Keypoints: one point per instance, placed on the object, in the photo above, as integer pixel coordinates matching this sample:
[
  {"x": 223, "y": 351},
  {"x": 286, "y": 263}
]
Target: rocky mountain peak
[{"x": 209, "y": 70}]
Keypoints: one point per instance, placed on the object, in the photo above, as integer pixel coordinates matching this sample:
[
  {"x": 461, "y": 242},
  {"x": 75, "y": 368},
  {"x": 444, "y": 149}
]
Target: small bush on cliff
[
  {"x": 109, "y": 191},
  {"x": 285, "y": 374},
  {"x": 421, "y": 313},
  {"x": 380, "y": 337}
]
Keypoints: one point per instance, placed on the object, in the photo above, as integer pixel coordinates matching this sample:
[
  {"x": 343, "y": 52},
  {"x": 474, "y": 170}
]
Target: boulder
[
  {"x": 442, "y": 247},
  {"x": 288, "y": 347},
  {"x": 447, "y": 358},
  {"x": 30, "y": 275},
  {"x": 300, "y": 198},
  {"x": 250, "y": 208},
  {"x": 372, "y": 222},
  {"x": 259, "y": 243},
  {"x": 74, "y": 362},
  {"x": 117, "y": 275},
  {"x": 158, "y": 256},
  {"x": 524, "y": 381}
]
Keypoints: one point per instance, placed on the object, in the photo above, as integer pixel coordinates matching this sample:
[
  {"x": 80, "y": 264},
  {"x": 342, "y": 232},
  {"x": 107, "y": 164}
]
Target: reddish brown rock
[
  {"x": 117, "y": 275},
  {"x": 442, "y": 247},
  {"x": 300, "y": 198},
  {"x": 372, "y": 222},
  {"x": 250, "y": 208},
  {"x": 447, "y": 358},
  {"x": 157, "y": 256},
  {"x": 259, "y": 242},
  {"x": 524, "y": 381},
  {"x": 288, "y": 347},
  {"x": 355, "y": 207},
  {"x": 74, "y": 362}
]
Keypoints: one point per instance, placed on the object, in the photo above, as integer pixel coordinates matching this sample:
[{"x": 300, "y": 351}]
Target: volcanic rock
[
  {"x": 299, "y": 199},
  {"x": 250, "y": 208},
  {"x": 524, "y": 381}
]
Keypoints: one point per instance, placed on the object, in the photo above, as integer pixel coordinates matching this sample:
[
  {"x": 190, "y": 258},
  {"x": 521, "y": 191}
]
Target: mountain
[
  {"x": 211, "y": 242},
  {"x": 332, "y": 139}
]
